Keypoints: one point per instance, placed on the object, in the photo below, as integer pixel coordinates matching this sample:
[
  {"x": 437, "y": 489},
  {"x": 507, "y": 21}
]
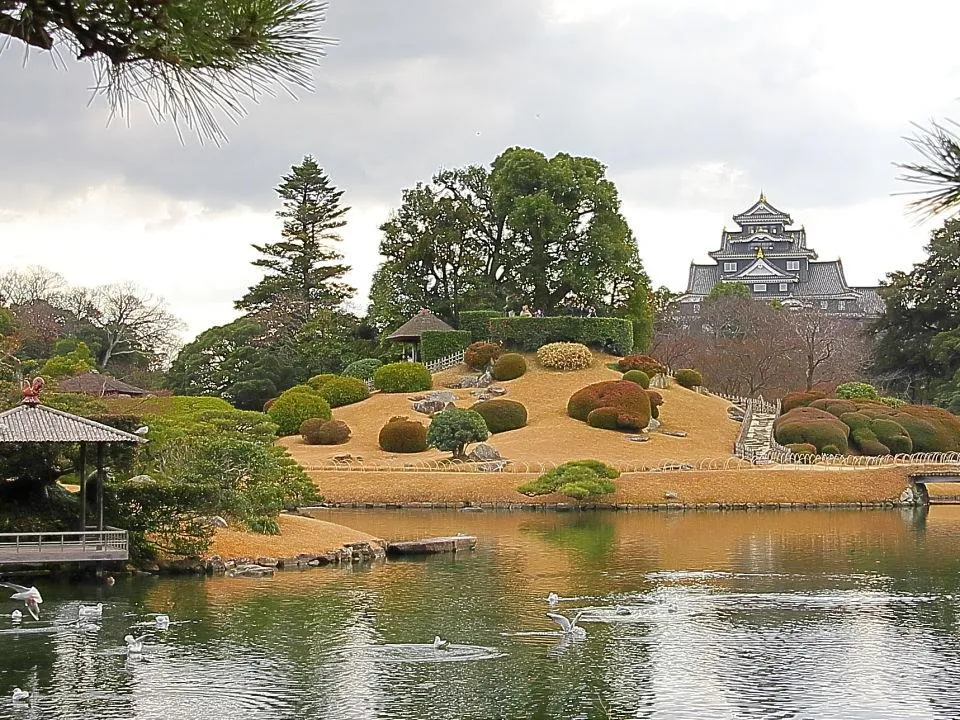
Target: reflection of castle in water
[{"x": 773, "y": 260}]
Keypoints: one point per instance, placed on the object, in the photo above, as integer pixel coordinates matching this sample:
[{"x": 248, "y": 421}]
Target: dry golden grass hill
[{"x": 550, "y": 436}]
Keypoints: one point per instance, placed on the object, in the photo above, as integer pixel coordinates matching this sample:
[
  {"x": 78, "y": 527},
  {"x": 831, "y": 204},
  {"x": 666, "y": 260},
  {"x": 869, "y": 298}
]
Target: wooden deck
[{"x": 52, "y": 547}]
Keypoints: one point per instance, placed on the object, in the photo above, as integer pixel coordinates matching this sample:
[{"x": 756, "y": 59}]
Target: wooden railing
[{"x": 76, "y": 546}]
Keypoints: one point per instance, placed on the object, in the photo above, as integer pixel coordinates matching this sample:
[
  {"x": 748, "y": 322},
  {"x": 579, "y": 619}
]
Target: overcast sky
[{"x": 694, "y": 105}]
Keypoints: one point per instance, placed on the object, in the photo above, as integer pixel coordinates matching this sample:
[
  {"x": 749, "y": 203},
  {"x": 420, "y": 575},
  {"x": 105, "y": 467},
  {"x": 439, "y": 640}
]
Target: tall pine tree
[{"x": 304, "y": 277}]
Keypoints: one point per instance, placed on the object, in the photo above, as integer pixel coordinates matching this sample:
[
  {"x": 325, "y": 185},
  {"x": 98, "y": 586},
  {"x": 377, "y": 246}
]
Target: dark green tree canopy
[{"x": 186, "y": 59}]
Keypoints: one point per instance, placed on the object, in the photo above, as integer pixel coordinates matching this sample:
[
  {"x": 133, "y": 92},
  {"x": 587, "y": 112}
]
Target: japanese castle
[{"x": 773, "y": 260}]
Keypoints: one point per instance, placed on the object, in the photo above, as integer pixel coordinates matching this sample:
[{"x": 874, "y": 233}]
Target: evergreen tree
[{"x": 304, "y": 273}]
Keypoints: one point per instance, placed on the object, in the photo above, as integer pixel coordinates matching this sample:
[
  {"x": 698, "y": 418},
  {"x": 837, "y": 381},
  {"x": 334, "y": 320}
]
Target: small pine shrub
[
  {"x": 509, "y": 366},
  {"x": 579, "y": 480},
  {"x": 318, "y": 381},
  {"x": 402, "y": 435},
  {"x": 802, "y": 449},
  {"x": 479, "y": 354},
  {"x": 857, "y": 390},
  {"x": 339, "y": 391},
  {"x": 299, "y": 403},
  {"x": 688, "y": 378},
  {"x": 565, "y": 356},
  {"x": 502, "y": 415},
  {"x": 452, "y": 430},
  {"x": 637, "y": 376},
  {"x": 642, "y": 362},
  {"x": 402, "y": 377},
  {"x": 362, "y": 369}
]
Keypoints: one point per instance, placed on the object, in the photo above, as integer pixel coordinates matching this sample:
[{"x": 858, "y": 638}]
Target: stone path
[{"x": 759, "y": 436}]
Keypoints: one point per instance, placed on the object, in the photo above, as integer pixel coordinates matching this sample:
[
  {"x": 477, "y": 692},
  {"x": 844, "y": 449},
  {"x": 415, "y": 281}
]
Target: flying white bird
[
  {"x": 16, "y": 616},
  {"x": 30, "y": 596},
  {"x": 440, "y": 644},
  {"x": 553, "y": 599},
  {"x": 162, "y": 622},
  {"x": 20, "y": 695},
  {"x": 91, "y": 611},
  {"x": 568, "y": 627},
  {"x": 134, "y": 645}
]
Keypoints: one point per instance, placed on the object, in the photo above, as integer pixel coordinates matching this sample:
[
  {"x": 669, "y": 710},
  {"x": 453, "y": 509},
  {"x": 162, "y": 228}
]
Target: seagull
[
  {"x": 553, "y": 599},
  {"x": 16, "y": 616},
  {"x": 91, "y": 611},
  {"x": 568, "y": 628},
  {"x": 162, "y": 621},
  {"x": 440, "y": 644},
  {"x": 30, "y": 596},
  {"x": 20, "y": 695},
  {"x": 142, "y": 430},
  {"x": 621, "y": 610},
  {"x": 134, "y": 645}
]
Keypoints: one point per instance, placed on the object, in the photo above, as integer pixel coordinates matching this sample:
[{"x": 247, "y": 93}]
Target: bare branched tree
[
  {"x": 132, "y": 321},
  {"x": 33, "y": 284},
  {"x": 938, "y": 170},
  {"x": 188, "y": 60}
]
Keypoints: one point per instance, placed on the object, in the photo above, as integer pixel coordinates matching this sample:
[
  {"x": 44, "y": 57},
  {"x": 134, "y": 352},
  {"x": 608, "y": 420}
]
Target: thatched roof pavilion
[
  {"x": 411, "y": 331},
  {"x": 98, "y": 385}
]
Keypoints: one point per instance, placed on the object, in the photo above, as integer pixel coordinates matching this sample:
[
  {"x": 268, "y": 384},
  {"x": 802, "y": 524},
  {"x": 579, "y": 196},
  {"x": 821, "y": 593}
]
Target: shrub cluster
[
  {"x": 480, "y": 354},
  {"x": 362, "y": 369},
  {"x": 402, "y": 435},
  {"x": 340, "y": 391},
  {"x": 402, "y": 377},
  {"x": 639, "y": 377},
  {"x": 834, "y": 406},
  {"x": 452, "y": 430},
  {"x": 645, "y": 363},
  {"x": 793, "y": 400},
  {"x": 502, "y": 415},
  {"x": 688, "y": 378},
  {"x": 436, "y": 344},
  {"x": 509, "y": 366},
  {"x": 622, "y": 395},
  {"x": 565, "y": 356},
  {"x": 815, "y": 427},
  {"x": 320, "y": 432},
  {"x": 299, "y": 403},
  {"x": 477, "y": 323},
  {"x": 893, "y": 402},
  {"x": 611, "y": 335},
  {"x": 858, "y": 390},
  {"x": 611, "y": 418},
  {"x": 318, "y": 381},
  {"x": 579, "y": 479}
]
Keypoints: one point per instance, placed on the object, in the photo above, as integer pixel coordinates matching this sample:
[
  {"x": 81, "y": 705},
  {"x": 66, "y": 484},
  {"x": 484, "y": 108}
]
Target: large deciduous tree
[{"x": 187, "y": 59}]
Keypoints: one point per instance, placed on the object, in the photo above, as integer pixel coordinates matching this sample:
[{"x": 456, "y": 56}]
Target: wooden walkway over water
[{"x": 57, "y": 547}]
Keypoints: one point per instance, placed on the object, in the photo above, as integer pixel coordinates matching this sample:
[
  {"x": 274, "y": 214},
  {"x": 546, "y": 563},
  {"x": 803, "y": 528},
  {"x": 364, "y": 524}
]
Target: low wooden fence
[{"x": 78, "y": 546}]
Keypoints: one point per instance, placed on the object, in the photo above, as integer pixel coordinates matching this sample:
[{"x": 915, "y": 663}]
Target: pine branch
[{"x": 938, "y": 170}]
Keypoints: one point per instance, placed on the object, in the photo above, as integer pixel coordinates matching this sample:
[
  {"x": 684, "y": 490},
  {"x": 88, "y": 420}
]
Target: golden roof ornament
[
  {"x": 759, "y": 253},
  {"x": 763, "y": 198}
]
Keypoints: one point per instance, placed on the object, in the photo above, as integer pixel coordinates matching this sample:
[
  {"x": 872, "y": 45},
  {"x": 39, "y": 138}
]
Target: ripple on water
[{"x": 423, "y": 653}]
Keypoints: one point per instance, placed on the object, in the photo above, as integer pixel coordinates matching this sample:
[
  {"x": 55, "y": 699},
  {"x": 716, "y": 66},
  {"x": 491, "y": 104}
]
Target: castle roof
[{"x": 762, "y": 212}]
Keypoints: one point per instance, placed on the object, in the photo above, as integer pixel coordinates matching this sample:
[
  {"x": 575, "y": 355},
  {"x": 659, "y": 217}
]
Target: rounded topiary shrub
[
  {"x": 859, "y": 390},
  {"x": 452, "y": 430},
  {"x": 834, "y": 406},
  {"x": 641, "y": 362},
  {"x": 810, "y": 425},
  {"x": 509, "y": 366},
  {"x": 893, "y": 435},
  {"x": 402, "y": 377},
  {"x": 830, "y": 450},
  {"x": 318, "y": 381},
  {"x": 611, "y": 418},
  {"x": 793, "y": 400},
  {"x": 656, "y": 400},
  {"x": 802, "y": 449},
  {"x": 402, "y": 435},
  {"x": 479, "y": 354},
  {"x": 623, "y": 395},
  {"x": 688, "y": 378},
  {"x": 502, "y": 415},
  {"x": 309, "y": 429},
  {"x": 565, "y": 356},
  {"x": 324, "y": 432},
  {"x": 362, "y": 369},
  {"x": 865, "y": 440},
  {"x": 637, "y": 376},
  {"x": 299, "y": 403},
  {"x": 340, "y": 391},
  {"x": 931, "y": 429}
]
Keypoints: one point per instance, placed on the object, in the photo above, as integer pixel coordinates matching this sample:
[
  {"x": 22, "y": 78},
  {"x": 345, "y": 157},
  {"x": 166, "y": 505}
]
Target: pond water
[{"x": 813, "y": 614}]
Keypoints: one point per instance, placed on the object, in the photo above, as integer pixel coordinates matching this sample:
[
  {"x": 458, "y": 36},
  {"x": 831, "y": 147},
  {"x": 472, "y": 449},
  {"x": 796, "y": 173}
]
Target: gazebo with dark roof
[
  {"x": 98, "y": 385},
  {"x": 411, "y": 331},
  {"x": 31, "y": 422}
]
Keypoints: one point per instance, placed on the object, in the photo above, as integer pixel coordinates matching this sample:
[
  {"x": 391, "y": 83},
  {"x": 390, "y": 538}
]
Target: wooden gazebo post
[{"x": 83, "y": 486}]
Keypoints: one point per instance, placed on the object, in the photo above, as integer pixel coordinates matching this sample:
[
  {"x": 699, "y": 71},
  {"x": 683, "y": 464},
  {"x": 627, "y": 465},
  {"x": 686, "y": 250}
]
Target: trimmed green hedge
[
  {"x": 611, "y": 335},
  {"x": 402, "y": 377},
  {"x": 509, "y": 367},
  {"x": 436, "y": 344},
  {"x": 477, "y": 323},
  {"x": 502, "y": 415},
  {"x": 299, "y": 403},
  {"x": 340, "y": 391}
]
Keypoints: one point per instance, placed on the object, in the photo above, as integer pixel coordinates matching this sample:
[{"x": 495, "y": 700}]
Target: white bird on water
[
  {"x": 20, "y": 695},
  {"x": 553, "y": 599},
  {"x": 134, "y": 645},
  {"x": 30, "y": 596},
  {"x": 162, "y": 622},
  {"x": 621, "y": 610},
  {"x": 439, "y": 643},
  {"x": 91, "y": 611},
  {"x": 16, "y": 616},
  {"x": 568, "y": 627}
]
